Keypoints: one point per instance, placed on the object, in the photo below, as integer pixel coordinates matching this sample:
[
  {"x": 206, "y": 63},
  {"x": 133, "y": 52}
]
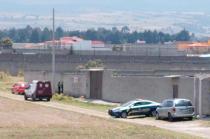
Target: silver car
[{"x": 175, "y": 108}]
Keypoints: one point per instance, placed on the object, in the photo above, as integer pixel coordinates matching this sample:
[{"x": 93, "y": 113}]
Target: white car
[{"x": 175, "y": 108}]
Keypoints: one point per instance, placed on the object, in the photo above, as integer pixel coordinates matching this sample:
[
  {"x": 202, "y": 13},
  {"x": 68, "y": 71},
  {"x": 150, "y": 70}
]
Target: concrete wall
[
  {"x": 186, "y": 88},
  {"x": 13, "y": 63},
  {"x": 206, "y": 97},
  {"x": 122, "y": 89},
  {"x": 29, "y": 76},
  {"x": 76, "y": 84}
]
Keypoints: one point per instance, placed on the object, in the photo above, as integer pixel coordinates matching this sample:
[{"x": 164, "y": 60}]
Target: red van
[{"x": 38, "y": 90}]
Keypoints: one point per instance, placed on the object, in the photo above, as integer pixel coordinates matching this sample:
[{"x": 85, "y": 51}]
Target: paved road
[{"x": 190, "y": 127}]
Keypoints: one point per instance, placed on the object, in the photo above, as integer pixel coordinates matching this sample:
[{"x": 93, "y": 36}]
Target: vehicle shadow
[
  {"x": 177, "y": 120},
  {"x": 137, "y": 117},
  {"x": 38, "y": 100}
]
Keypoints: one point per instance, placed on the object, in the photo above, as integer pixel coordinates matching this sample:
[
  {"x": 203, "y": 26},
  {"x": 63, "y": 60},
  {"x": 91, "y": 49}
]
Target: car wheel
[
  {"x": 153, "y": 114},
  {"x": 124, "y": 115},
  {"x": 147, "y": 115},
  {"x": 157, "y": 116},
  {"x": 48, "y": 99},
  {"x": 33, "y": 97},
  {"x": 25, "y": 97},
  {"x": 170, "y": 118},
  {"x": 190, "y": 118}
]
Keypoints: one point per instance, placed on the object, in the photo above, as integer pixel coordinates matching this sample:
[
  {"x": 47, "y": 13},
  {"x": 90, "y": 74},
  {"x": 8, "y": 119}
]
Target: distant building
[
  {"x": 140, "y": 42},
  {"x": 194, "y": 47},
  {"x": 77, "y": 44}
]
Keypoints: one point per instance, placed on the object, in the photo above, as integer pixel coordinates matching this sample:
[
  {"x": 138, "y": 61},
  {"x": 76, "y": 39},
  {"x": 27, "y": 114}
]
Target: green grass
[{"x": 75, "y": 102}]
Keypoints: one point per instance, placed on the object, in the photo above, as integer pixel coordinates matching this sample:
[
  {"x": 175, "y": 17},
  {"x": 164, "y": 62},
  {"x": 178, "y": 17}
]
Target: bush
[
  {"x": 20, "y": 73},
  {"x": 4, "y": 76},
  {"x": 94, "y": 64},
  {"x": 61, "y": 97}
]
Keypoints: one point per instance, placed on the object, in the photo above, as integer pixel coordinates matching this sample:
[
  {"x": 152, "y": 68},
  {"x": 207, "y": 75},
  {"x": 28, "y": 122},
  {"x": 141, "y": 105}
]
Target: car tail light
[{"x": 174, "y": 109}]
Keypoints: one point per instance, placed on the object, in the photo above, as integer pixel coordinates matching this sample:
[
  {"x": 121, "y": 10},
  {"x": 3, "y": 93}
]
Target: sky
[{"x": 67, "y": 6}]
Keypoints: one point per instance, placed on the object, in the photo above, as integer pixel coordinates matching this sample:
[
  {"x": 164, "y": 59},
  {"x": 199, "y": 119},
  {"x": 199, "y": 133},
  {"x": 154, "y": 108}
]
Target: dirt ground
[
  {"x": 23, "y": 120},
  {"x": 57, "y": 118}
]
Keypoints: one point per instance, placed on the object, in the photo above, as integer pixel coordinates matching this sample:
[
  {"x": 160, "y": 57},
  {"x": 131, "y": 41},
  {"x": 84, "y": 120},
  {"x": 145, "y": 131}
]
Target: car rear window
[
  {"x": 146, "y": 103},
  {"x": 181, "y": 103},
  {"x": 127, "y": 104}
]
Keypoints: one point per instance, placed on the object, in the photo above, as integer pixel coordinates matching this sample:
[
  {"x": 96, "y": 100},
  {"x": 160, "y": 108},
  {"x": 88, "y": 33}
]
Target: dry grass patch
[
  {"x": 6, "y": 81},
  {"x": 75, "y": 102},
  {"x": 19, "y": 120}
]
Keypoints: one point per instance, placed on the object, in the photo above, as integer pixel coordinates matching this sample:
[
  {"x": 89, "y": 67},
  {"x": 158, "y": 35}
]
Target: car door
[
  {"x": 167, "y": 107},
  {"x": 162, "y": 109},
  {"x": 146, "y": 107},
  {"x": 28, "y": 90},
  {"x": 135, "y": 108}
]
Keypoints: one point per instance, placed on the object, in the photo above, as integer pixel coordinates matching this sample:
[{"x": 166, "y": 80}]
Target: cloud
[{"x": 40, "y": 6}]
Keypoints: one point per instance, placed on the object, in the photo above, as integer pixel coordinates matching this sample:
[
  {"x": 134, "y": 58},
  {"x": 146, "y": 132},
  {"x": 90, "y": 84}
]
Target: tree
[
  {"x": 46, "y": 35},
  {"x": 35, "y": 36},
  {"x": 94, "y": 64},
  {"x": 125, "y": 29},
  {"x": 183, "y": 36},
  {"x": 59, "y": 33},
  {"x": 109, "y": 36},
  {"x": 6, "y": 43}
]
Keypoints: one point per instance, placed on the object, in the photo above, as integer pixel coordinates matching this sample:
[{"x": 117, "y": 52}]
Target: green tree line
[{"x": 110, "y": 36}]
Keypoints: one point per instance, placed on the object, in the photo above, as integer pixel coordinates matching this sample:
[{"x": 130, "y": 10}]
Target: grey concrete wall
[
  {"x": 206, "y": 97},
  {"x": 76, "y": 84},
  {"x": 13, "y": 63},
  {"x": 122, "y": 89},
  {"x": 186, "y": 88},
  {"x": 29, "y": 76}
]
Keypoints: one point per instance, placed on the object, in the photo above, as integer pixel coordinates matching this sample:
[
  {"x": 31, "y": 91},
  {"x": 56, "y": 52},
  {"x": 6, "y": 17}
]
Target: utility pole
[{"x": 53, "y": 54}]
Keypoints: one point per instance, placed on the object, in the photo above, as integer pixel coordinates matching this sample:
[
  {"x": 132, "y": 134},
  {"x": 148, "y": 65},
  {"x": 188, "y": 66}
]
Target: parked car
[
  {"x": 135, "y": 107},
  {"x": 39, "y": 90},
  {"x": 175, "y": 108},
  {"x": 19, "y": 88}
]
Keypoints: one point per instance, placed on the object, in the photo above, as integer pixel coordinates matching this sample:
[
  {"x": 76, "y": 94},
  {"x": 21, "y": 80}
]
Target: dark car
[
  {"x": 39, "y": 90},
  {"x": 19, "y": 88},
  {"x": 135, "y": 107}
]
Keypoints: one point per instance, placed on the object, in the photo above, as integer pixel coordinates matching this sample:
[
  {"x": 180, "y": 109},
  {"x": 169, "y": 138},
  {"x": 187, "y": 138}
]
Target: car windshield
[
  {"x": 181, "y": 103},
  {"x": 127, "y": 104}
]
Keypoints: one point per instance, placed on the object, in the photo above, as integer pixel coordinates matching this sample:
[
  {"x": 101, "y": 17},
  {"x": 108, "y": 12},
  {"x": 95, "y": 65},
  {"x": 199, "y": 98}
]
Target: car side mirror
[{"x": 27, "y": 87}]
